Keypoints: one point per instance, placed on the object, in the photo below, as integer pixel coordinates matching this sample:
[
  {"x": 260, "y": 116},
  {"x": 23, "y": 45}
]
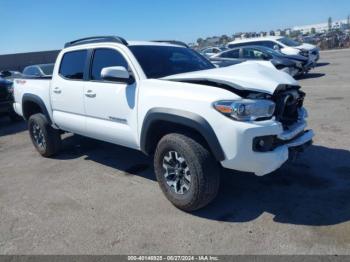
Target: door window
[
  {"x": 250, "y": 53},
  {"x": 106, "y": 58},
  {"x": 73, "y": 65}
]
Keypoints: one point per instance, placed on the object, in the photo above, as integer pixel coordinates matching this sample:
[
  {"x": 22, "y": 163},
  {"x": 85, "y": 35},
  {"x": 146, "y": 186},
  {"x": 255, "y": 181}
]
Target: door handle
[
  {"x": 90, "y": 94},
  {"x": 57, "y": 90}
]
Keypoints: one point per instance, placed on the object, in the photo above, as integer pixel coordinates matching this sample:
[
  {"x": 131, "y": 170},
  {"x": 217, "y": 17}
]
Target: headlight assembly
[{"x": 246, "y": 109}]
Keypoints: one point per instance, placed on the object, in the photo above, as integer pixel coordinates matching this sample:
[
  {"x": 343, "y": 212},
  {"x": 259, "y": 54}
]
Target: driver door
[{"x": 110, "y": 106}]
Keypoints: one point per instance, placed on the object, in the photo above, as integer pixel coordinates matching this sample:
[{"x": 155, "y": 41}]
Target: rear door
[
  {"x": 67, "y": 92},
  {"x": 110, "y": 106}
]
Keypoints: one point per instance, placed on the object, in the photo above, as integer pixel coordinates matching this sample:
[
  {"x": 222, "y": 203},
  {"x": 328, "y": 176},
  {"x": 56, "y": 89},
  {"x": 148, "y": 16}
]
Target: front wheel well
[{"x": 160, "y": 128}]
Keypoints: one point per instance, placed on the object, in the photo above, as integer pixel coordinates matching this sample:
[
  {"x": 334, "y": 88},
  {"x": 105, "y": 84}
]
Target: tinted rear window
[{"x": 73, "y": 64}]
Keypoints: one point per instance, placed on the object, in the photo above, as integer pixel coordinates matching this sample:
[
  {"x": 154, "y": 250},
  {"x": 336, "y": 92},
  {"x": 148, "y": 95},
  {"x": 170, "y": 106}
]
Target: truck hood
[{"x": 253, "y": 76}]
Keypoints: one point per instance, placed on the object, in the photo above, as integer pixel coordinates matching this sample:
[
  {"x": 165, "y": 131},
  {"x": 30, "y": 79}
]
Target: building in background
[
  {"x": 17, "y": 62},
  {"x": 320, "y": 28}
]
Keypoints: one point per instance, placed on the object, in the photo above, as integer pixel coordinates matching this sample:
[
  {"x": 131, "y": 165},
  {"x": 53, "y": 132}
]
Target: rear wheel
[
  {"x": 46, "y": 139},
  {"x": 186, "y": 171}
]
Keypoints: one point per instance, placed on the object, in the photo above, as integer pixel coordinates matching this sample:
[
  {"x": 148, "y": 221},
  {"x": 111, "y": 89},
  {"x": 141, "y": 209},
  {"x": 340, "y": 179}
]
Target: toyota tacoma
[{"x": 171, "y": 103}]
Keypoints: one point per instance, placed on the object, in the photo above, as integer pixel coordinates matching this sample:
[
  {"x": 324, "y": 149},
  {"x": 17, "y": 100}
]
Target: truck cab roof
[{"x": 121, "y": 41}]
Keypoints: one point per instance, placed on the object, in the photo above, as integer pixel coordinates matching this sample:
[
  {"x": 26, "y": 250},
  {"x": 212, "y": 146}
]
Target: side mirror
[
  {"x": 116, "y": 73},
  {"x": 276, "y": 47}
]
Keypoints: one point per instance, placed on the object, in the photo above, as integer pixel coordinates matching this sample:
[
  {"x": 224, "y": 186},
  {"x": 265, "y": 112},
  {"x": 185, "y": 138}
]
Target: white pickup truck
[{"x": 170, "y": 102}]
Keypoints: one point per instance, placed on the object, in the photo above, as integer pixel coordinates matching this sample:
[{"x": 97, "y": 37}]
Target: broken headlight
[{"x": 246, "y": 109}]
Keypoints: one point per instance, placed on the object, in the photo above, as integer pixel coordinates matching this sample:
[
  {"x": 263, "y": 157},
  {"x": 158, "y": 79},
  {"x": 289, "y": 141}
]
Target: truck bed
[{"x": 36, "y": 87}]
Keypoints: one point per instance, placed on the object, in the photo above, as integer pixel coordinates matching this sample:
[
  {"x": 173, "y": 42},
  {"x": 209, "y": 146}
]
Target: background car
[
  {"x": 292, "y": 64},
  {"x": 210, "y": 51},
  {"x": 284, "y": 44},
  {"x": 8, "y": 74},
  {"x": 6, "y": 100},
  {"x": 43, "y": 70}
]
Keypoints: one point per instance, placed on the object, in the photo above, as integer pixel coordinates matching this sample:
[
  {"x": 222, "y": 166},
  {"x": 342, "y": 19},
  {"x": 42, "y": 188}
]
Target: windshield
[
  {"x": 47, "y": 69},
  {"x": 161, "y": 61},
  {"x": 288, "y": 42}
]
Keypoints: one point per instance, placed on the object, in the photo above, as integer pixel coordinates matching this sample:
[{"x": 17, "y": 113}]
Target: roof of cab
[
  {"x": 151, "y": 43},
  {"x": 121, "y": 41}
]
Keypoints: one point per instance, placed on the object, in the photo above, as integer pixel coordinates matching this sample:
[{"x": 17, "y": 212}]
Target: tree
[
  {"x": 200, "y": 41},
  {"x": 330, "y": 23},
  {"x": 313, "y": 30},
  {"x": 224, "y": 39}
]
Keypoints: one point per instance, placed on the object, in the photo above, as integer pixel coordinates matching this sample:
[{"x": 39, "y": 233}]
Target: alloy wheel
[
  {"x": 177, "y": 174},
  {"x": 38, "y": 136}
]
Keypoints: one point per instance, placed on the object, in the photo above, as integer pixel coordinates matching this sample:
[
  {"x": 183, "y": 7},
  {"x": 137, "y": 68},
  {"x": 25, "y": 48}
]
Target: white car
[
  {"x": 211, "y": 51},
  {"x": 284, "y": 44},
  {"x": 169, "y": 102},
  {"x": 41, "y": 70}
]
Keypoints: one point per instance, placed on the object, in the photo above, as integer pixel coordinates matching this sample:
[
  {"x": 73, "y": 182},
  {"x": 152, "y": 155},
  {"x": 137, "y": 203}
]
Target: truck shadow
[
  {"x": 131, "y": 162},
  {"x": 314, "y": 190},
  {"x": 8, "y": 127},
  {"x": 322, "y": 64}
]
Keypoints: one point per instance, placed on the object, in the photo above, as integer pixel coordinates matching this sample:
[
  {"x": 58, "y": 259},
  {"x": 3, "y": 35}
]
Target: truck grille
[{"x": 288, "y": 103}]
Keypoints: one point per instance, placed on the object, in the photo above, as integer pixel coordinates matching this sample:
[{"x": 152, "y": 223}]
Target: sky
[{"x": 38, "y": 25}]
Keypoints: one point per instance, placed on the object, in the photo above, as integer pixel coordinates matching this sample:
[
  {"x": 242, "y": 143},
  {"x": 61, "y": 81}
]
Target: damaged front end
[{"x": 289, "y": 111}]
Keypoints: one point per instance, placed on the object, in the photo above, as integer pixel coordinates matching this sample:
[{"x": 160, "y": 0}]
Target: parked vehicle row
[
  {"x": 283, "y": 44},
  {"x": 169, "y": 102},
  {"x": 285, "y": 54},
  {"x": 291, "y": 64}
]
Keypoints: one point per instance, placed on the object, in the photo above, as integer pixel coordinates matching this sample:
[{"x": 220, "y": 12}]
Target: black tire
[
  {"x": 51, "y": 136},
  {"x": 204, "y": 172}
]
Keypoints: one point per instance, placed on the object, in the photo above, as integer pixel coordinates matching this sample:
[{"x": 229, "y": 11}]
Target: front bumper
[
  {"x": 247, "y": 159},
  {"x": 314, "y": 56}
]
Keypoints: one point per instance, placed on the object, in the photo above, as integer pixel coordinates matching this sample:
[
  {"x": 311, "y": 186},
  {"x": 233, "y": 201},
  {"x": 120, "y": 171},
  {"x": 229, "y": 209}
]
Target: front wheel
[
  {"x": 46, "y": 139},
  {"x": 186, "y": 171}
]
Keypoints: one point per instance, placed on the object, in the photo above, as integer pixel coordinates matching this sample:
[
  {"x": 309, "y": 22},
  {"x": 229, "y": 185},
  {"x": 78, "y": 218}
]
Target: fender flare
[
  {"x": 183, "y": 118},
  {"x": 37, "y": 100}
]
